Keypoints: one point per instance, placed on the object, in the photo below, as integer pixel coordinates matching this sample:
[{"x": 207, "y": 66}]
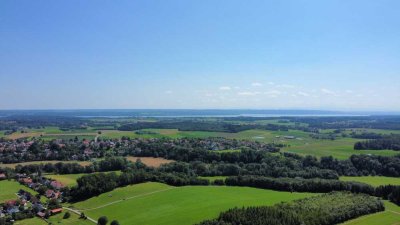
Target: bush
[{"x": 67, "y": 215}]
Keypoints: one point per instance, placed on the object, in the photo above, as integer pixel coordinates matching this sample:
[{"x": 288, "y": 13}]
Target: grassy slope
[
  {"x": 56, "y": 219},
  {"x": 374, "y": 181},
  {"x": 391, "y": 216},
  {"x": 178, "y": 206},
  {"x": 9, "y": 188}
]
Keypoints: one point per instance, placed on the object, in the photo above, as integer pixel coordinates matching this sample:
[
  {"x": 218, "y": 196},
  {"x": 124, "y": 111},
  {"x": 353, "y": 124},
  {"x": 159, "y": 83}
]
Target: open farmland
[
  {"x": 374, "y": 180},
  {"x": 150, "y": 161},
  {"x": 9, "y": 188},
  {"x": 160, "y": 204}
]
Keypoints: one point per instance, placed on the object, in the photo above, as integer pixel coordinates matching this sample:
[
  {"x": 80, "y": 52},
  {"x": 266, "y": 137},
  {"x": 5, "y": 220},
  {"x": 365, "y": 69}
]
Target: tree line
[{"x": 326, "y": 209}]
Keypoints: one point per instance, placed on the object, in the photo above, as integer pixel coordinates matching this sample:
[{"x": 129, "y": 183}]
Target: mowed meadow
[{"x": 160, "y": 204}]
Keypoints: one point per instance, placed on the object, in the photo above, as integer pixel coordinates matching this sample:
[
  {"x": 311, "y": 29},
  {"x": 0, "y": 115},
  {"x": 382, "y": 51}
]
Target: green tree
[
  {"x": 67, "y": 215},
  {"x": 114, "y": 222},
  {"x": 102, "y": 220}
]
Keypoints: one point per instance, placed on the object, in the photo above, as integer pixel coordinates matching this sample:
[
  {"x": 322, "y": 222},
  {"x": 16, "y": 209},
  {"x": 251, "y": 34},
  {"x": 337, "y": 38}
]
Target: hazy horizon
[{"x": 319, "y": 55}]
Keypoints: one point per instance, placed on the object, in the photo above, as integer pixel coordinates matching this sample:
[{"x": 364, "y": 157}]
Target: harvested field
[{"x": 150, "y": 161}]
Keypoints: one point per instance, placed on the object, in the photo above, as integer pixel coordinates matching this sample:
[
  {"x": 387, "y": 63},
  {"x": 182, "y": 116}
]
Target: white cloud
[
  {"x": 273, "y": 92},
  {"x": 168, "y": 92},
  {"x": 327, "y": 91},
  {"x": 256, "y": 84},
  {"x": 303, "y": 93},
  {"x": 225, "y": 88},
  {"x": 271, "y": 83},
  {"x": 285, "y": 86},
  {"x": 248, "y": 93}
]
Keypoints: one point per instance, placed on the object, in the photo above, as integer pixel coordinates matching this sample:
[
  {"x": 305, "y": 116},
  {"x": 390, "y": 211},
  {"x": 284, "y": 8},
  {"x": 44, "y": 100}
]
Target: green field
[
  {"x": 66, "y": 179},
  {"x": 374, "y": 181},
  {"x": 56, "y": 219},
  {"x": 9, "y": 188},
  {"x": 160, "y": 204},
  {"x": 391, "y": 216},
  {"x": 70, "y": 179}
]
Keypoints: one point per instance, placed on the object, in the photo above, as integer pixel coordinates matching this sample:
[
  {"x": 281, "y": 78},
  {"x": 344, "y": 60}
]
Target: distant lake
[{"x": 121, "y": 113}]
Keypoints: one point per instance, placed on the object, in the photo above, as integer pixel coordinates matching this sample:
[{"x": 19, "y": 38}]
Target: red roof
[{"x": 53, "y": 211}]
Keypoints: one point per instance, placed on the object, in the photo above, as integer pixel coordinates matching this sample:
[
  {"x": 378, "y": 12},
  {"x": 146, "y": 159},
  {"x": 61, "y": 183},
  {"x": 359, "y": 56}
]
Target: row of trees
[
  {"x": 192, "y": 125},
  {"x": 389, "y": 192},
  {"x": 327, "y": 209},
  {"x": 107, "y": 164},
  {"x": 386, "y": 142}
]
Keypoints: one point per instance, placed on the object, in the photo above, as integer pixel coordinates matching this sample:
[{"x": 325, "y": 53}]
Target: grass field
[
  {"x": 160, "y": 204},
  {"x": 150, "y": 161},
  {"x": 13, "y": 165},
  {"x": 56, "y": 219},
  {"x": 66, "y": 179},
  {"x": 70, "y": 179},
  {"x": 391, "y": 216},
  {"x": 9, "y": 188},
  {"x": 374, "y": 181}
]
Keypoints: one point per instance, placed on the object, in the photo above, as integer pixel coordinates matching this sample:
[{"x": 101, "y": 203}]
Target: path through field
[
  {"x": 124, "y": 199},
  {"x": 79, "y": 213}
]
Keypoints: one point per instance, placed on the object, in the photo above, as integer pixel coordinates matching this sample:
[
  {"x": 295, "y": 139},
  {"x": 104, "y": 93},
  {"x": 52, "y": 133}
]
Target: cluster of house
[
  {"x": 15, "y": 146},
  {"x": 26, "y": 203},
  {"x": 52, "y": 187}
]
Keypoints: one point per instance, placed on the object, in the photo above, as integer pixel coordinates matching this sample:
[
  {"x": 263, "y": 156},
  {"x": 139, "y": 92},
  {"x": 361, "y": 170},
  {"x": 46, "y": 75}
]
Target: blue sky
[{"x": 307, "y": 54}]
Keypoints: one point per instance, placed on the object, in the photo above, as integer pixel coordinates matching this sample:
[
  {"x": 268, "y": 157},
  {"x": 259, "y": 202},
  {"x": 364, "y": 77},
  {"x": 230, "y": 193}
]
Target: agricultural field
[
  {"x": 374, "y": 180},
  {"x": 150, "y": 161},
  {"x": 13, "y": 165},
  {"x": 391, "y": 216},
  {"x": 155, "y": 203},
  {"x": 70, "y": 179},
  {"x": 9, "y": 188}
]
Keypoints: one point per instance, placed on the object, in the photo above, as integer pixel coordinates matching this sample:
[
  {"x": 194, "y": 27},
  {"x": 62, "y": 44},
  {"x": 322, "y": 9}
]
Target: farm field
[
  {"x": 13, "y": 165},
  {"x": 9, "y": 188},
  {"x": 391, "y": 216},
  {"x": 70, "y": 179},
  {"x": 374, "y": 181},
  {"x": 160, "y": 204},
  {"x": 150, "y": 161}
]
